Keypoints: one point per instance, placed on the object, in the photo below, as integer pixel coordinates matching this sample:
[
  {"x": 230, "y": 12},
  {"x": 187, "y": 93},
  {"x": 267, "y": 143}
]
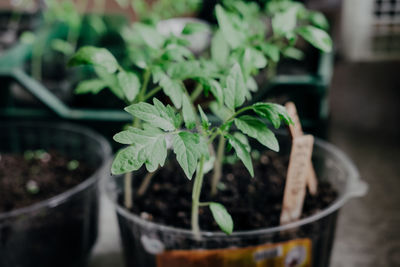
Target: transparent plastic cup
[
  {"x": 145, "y": 242},
  {"x": 62, "y": 230}
]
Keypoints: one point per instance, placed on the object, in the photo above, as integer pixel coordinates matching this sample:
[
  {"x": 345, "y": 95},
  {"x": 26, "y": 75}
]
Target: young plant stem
[
  {"x": 196, "y": 93},
  {"x": 136, "y": 123},
  {"x": 152, "y": 93},
  {"x": 217, "y": 173},
  {"x": 198, "y": 182},
  {"x": 145, "y": 184},
  {"x": 128, "y": 190}
]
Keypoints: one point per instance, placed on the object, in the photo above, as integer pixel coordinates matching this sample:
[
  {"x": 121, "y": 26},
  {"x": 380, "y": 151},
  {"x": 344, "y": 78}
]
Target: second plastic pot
[{"x": 62, "y": 230}]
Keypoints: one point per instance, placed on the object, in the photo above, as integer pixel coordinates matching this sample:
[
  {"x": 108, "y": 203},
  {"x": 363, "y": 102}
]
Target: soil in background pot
[
  {"x": 36, "y": 176},
  {"x": 254, "y": 203}
]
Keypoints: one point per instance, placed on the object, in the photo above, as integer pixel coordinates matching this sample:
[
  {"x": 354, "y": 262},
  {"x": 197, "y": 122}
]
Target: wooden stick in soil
[{"x": 296, "y": 131}]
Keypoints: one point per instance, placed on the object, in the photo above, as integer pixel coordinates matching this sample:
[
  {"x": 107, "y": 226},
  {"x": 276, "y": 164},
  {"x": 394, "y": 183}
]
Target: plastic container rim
[{"x": 61, "y": 198}]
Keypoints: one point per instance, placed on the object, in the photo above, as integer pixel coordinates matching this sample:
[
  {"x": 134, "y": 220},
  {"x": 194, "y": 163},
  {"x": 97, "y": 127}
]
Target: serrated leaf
[
  {"x": 242, "y": 153},
  {"x": 194, "y": 27},
  {"x": 98, "y": 57},
  {"x": 156, "y": 115},
  {"x": 129, "y": 83},
  {"x": 205, "y": 123},
  {"x": 188, "y": 148},
  {"x": 271, "y": 51},
  {"x": 258, "y": 130},
  {"x": 316, "y": 37},
  {"x": 150, "y": 145},
  {"x": 189, "y": 117},
  {"x": 222, "y": 217},
  {"x": 235, "y": 90},
  {"x": 272, "y": 112},
  {"x": 149, "y": 35},
  {"x": 232, "y": 36},
  {"x": 219, "y": 49},
  {"x": 171, "y": 88},
  {"x": 90, "y": 86},
  {"x": 186, "y": 70},
  {"x": 126, "y": 160}
]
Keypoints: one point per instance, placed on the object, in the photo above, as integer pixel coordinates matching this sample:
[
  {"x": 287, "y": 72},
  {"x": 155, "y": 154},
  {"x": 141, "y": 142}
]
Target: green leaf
[
  {"x": 150, "y": 145},
  {"x": 318, "y": 20},
  {"x": 243, "y": 139},
  {"x": 62, "y": 46},
  {"x": 271, "y": 51},
  {"x": 222, "y": 217},
  {"x": 205, "y": 123},
  {"x": 242, "y": 153},
  {"x": 285, "y": 21},
  {"x": 253, "y": 59},
  {"x": 129, "y": 83},
  {"x": 98, "y": 57},
  {"x": 194, "y": 27},
  {"x": 214, "y": 87},
  {"x": 258, "y": 130},
  {"x": 150, "y": 35},
  {"x": 189, "y": 117},
  {"x": 219, "y": 49},
  {"x": 317, "y": 37},
  {"x": 178, "y": 53},
  {"x": 220, "y": 111},
  {"x": 156, "y": 115},
  {"x": 90, "y": 86},
  {"x": 272, "y": 112},
  {"x": 186, "y": 70},
  {"x": 292, "y": 52},
  {"x": 126, "y": 160},
  {"x": 235, "y": 90},
  {"x": 111, "y": 80},
  {"x": 188, "y": 148},
  {"x": 171, "y": 88},
  {"x": 232, "y": 36}
]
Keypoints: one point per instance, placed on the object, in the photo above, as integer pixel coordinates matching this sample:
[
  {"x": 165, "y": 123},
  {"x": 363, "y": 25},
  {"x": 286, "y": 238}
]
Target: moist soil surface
[
  {"x": 36, "y": 176},
  {"x": 253, "y": 202}
]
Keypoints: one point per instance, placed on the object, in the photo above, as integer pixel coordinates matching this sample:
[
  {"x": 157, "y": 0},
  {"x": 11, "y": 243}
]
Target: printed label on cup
[{"x": 293, "y": 253}]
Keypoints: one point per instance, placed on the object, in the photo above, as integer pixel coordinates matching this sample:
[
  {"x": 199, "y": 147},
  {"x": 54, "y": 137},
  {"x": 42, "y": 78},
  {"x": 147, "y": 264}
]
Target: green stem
[
  {"x": 36, "y": 64},
  {"x": 152, "y": 93},
  {"x": 198, "y": 182},
  {"x": 217, "y": 173},
  {"x": 142, "y": 92},
  {"x": 196, "y": 93}
]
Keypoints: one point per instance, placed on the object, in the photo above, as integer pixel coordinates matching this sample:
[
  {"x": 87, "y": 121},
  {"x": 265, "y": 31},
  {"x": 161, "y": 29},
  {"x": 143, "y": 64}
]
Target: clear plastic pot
[
  {"x": 150, "y": 244},
  {"x": 62, "y": 230}
]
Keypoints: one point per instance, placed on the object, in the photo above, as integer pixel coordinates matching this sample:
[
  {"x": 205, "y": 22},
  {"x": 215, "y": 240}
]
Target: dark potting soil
[
  {"x": 36, "y": 176},
  {"x": 253, "y": 202}
]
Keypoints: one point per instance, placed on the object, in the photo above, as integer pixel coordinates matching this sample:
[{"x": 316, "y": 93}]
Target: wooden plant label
[
  {"x": 295, "y": 188},
  {"x": 296, "y": 131}
]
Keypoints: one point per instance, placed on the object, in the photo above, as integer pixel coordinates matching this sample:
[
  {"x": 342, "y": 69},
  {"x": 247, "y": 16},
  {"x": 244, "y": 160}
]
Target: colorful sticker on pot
[{"x": 294, "y": 253}]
